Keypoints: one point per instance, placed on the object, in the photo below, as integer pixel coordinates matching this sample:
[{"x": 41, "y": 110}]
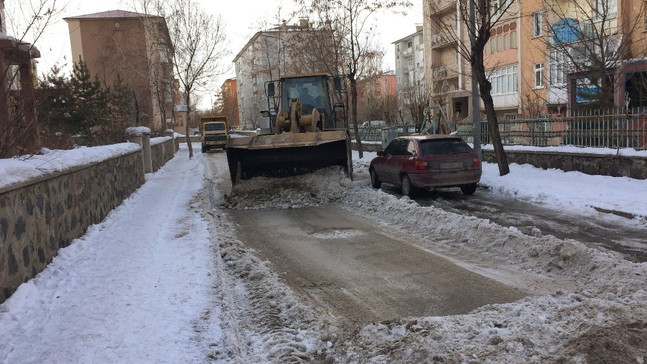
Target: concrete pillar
[
  {"x": 171, "y": 133},
  {"x": 142, "y": 136},
  {"x": 146, "y": 147}
]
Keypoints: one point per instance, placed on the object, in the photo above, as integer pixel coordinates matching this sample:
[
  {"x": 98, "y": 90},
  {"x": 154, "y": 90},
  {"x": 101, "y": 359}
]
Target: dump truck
[
  {"x": 308, "y": 130},
  {"x": 214, "y": 132}
]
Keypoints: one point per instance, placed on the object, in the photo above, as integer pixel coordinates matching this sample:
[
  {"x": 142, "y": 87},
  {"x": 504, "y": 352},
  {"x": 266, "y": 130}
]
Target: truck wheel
[{"x": 204, "y": 149}]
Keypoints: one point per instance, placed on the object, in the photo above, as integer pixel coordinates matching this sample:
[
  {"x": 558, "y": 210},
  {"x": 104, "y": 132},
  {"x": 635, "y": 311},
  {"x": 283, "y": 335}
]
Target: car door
[
  {"x": 394, "y": 160},
  {"x": 379, "y": 163}
]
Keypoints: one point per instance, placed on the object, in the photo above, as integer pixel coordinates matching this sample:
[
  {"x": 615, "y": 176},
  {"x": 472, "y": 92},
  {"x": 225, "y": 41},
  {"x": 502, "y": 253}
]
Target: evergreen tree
[
  {"x": 121, "y": 112},
  {"x": 90, "y": 103},
  {"x": 53, "y": 107}
]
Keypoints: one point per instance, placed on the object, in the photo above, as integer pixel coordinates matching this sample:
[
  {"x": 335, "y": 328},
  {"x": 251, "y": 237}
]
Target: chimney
[
  {"x": 303, "y": 23},
  {"x": 418, "y": 27}
]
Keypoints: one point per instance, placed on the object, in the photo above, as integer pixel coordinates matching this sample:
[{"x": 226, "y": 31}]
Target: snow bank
[{"x": 24, "y": 168}]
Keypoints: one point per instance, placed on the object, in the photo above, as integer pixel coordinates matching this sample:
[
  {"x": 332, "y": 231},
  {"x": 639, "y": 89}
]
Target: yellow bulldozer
[{"x": 308, "y": 130}]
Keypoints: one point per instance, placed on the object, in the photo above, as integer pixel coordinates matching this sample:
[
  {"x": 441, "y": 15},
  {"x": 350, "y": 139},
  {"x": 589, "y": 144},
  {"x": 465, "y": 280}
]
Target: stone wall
[
  {"x": 162, "y": 151},
  {"x": 40, "y": 216},
  {"x": 593, "y": 164}
]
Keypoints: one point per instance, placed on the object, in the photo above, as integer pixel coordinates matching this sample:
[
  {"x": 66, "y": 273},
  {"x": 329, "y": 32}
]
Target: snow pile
[
  {"x": 554, "y": 328},
  {"x": 321, "y": 187}
]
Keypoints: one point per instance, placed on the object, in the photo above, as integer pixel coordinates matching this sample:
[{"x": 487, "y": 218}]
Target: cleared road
[{"x": 351, "y": 268}]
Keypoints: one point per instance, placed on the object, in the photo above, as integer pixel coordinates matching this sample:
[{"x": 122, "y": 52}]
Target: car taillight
[
  {"x": 477, "y": 163},
  {"x": 420, "y": 165}
]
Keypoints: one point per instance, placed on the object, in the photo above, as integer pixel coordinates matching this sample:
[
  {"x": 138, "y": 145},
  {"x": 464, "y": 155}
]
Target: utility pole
[{"x": 475, "y": 91}]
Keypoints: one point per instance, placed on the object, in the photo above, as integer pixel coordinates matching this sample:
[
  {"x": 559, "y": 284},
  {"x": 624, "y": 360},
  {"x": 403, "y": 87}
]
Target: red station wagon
[{"x": 427, "y": 161}]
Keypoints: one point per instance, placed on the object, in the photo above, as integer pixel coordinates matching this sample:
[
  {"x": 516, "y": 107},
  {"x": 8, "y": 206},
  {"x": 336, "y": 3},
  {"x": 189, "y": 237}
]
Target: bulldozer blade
[{"x": 283, "y": 159}]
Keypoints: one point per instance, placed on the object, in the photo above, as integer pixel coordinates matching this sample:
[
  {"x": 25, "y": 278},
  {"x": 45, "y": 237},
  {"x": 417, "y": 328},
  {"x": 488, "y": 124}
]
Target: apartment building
[
  {"x": 596, "y": 53},
  {"x": 270, "y": 54},
  {"x": 230, "y": 101},
  {"x": 136, "y": 47},
  {"x": 543, "y": 57},
  {"x": 376, "y": 99},
  {"x": 410, "y": 71},
  {"x": 447, "y": 72}
]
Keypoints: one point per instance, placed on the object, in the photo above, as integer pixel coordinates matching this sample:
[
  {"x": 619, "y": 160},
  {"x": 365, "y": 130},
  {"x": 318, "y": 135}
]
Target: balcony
[
  {"x": 569, "y": 30},
  {"x": 442, "y": 6},
  {"x": 442, "y": 41},
  {"x": 444, "y": 72}
]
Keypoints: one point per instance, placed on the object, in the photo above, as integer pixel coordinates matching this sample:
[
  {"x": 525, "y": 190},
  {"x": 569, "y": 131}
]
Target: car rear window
[{"x": 444, "y": 146}]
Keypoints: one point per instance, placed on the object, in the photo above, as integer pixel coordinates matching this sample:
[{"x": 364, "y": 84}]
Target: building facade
[
  {"x": 544, "y": 57},
  {"x": 229, "y": 92},
  {"x": 134, "y": 47},
  {"x": 410, "y": 72},
  {"x": 377, "y": 99}
]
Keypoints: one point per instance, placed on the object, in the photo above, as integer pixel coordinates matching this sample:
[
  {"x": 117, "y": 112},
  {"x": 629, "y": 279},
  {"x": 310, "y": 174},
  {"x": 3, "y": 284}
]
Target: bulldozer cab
[{"x": 312, "y": 92}]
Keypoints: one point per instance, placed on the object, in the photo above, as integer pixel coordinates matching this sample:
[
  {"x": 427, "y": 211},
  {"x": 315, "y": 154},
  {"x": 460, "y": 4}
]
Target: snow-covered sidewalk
[{"x": 129, "y": 291}]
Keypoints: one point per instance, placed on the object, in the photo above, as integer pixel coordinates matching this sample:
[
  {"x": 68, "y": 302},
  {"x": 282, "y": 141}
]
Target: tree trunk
[
  {"x": 353, "y": 94},
  {"x": 188, "y": 121},
  {"x": 495, "y": 136},
  {"x": 485, "y": 88}
]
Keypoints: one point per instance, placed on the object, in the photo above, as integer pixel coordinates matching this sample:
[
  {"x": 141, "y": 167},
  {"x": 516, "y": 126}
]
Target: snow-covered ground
[{"x": 164, "y": 279}]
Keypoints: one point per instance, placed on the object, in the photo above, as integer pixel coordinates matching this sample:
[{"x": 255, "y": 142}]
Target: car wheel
[
  {"x": 375, "y": 182},
  {"x": 469, "y": 189},
  {"x": 406, "y": 187}
]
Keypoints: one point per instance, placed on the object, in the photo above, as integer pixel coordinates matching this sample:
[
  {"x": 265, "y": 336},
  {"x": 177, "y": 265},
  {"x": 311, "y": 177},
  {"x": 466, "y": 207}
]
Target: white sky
[{"x": 242, "y": 18}]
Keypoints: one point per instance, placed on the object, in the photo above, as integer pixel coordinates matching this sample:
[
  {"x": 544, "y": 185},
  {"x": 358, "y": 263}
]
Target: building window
[
  {"x": 606, "y": 9},
  {"x": 537, "y": 23},
  {"x": 498, "y": 7},
  {"x": 556, "y": 63},
  {"x": 539, "y": 75},
  {"x": 504, "y": 80},
  {"x": 513, "y": 39}
]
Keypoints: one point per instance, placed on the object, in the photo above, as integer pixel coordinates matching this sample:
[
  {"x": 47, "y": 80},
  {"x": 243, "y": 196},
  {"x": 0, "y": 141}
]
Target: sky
[
  {"x": 242, "y": 19},
  {"x": 180, "y": 293}
]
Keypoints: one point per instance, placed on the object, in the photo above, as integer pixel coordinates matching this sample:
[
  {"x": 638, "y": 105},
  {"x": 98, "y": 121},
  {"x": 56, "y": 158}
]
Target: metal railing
[
  {"x": 377, "y": 133},
  {"x": 601, "y": 131}
]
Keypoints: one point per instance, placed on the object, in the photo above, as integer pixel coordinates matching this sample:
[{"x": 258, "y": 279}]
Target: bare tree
[
  {"x": 352, "y": 38},
  {"x": 199, "y": 41},
  {"x": 487, "y": 15}
]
